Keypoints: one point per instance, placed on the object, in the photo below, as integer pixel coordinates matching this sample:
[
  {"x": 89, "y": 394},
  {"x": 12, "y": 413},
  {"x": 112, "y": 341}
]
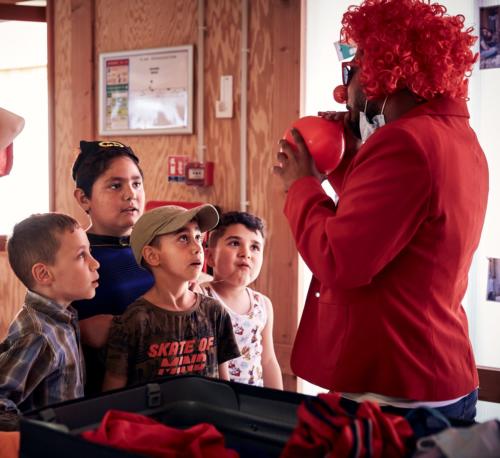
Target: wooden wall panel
[
  {"x": 222, "y": 136},
  {"x": 129, "y": 25},
  {"x": 12, "y": 293},
  {"x": 489, "y": 384},
  {"x": 73, "y": 95},
  {"x": 273, "y": 104}
]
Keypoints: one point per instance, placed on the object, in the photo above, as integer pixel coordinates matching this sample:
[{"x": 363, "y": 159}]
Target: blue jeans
[
  {"x": 462, "y": 410},
  {"x": 465, "y": 409}
]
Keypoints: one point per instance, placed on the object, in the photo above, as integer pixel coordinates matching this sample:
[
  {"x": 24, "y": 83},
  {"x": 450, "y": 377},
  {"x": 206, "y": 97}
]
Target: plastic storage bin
[{"x": 256, "y": 422}]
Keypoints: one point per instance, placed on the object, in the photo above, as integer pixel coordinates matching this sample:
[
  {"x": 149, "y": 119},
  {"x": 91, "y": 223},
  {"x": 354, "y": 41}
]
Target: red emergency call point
[{"x": 199, "y": 173}]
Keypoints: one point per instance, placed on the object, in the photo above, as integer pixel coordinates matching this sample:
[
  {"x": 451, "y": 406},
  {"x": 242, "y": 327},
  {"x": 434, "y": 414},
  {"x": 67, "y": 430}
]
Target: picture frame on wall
[
  {"x": 489, "y": 37},
  {"x": 493, "y": 286},
  {"x": 146, "y": 92}
]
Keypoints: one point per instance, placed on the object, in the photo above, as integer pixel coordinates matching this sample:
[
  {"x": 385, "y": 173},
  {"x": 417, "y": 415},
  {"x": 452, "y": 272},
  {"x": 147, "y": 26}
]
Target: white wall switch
[{"x": 224, "y": 106}]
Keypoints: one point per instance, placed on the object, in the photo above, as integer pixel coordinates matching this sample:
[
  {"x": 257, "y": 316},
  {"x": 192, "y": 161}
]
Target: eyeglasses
[{"x": 348, "y": 70}]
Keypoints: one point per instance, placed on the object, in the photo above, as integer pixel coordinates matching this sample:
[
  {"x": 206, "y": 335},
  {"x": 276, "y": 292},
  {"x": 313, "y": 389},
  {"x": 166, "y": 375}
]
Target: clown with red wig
[{"x": 383, "y": 318}]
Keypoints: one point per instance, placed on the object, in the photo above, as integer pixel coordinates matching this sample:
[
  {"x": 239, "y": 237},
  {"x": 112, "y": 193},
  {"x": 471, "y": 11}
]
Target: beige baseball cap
[{"x": 168, "y": 219}]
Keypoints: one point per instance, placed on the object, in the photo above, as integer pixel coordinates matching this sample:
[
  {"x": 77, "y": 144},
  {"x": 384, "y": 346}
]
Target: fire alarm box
[{"x": 199, "y": 173}]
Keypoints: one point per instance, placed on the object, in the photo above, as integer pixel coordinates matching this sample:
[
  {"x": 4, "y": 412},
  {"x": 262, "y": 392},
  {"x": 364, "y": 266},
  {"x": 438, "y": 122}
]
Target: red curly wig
[{"x": 410, "y": 44}]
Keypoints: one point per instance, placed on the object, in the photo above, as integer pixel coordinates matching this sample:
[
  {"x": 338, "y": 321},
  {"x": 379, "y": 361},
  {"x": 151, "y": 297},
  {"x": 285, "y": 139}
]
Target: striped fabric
[
  {"x": 325, "y": 429},
  {"x": 40, "y": 360}
]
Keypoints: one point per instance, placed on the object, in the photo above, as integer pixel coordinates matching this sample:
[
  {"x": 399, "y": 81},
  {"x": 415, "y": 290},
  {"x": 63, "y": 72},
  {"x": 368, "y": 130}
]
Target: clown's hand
[{"x": 294, "y": 162}]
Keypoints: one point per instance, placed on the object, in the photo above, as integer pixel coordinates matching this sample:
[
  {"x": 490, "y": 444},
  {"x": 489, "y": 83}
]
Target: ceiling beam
[{"x": 22, "y": 13}]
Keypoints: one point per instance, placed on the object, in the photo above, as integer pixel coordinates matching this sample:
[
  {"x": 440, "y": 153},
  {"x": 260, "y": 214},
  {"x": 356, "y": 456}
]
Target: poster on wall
[
  {"x": 489, "y": 37},
  {"x": 146, "y": 92},
  {"x": 493, "y": 287}
]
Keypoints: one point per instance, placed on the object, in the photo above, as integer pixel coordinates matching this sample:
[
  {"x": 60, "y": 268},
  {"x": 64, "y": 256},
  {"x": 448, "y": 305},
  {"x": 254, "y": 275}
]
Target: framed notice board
[{"x": 146, "y": 92}]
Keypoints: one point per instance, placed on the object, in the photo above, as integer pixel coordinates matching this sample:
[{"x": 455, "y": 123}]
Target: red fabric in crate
[
  {"x": 326, "y": 430},
  {"x": 140, "y": 434}
]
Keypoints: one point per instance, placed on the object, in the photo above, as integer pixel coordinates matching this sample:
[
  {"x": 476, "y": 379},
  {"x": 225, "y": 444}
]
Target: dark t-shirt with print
[{"x": 148, "y": 341}]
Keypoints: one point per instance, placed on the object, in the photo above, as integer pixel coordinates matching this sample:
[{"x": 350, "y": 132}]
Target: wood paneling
[
  {"x": 12, "y": 293},
  {"x": 222, "y": 136},
  {"x": 273, "y": 104},
  {"x": 73, "y": 94},
  {"x": 84, "y": 28},
  {"x": 64, "y": 148},
  {"x": 82, "y": 69},
  {"x": 129, "y": 25},
  {"x": 489, "y": 384}
]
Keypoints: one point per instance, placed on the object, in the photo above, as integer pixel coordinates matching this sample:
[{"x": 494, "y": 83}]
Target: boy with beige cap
[{"x": 170, "y": 330}]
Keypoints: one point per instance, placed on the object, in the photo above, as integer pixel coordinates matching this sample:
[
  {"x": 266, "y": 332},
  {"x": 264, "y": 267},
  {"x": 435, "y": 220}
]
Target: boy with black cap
[
  {"x": 170, "y": 330},
  {"x": 109, "y": 188}
]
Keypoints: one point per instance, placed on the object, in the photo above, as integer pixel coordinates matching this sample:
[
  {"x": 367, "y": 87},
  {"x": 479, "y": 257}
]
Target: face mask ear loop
[
  {"x": 383, "y": 105},
  {"x": 366, "y": 104}
]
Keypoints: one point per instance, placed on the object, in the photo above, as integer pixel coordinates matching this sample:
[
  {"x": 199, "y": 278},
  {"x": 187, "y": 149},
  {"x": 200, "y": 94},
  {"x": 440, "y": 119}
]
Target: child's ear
[
  {"x": 42, "y": 274},
  {"x": 82, "y": 199},
  {"x": 209, "y": 256},
  {"x": 151, "y": 255}
]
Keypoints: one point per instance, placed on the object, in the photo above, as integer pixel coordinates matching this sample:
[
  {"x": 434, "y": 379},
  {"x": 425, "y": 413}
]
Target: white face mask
[{"x": 366, "y": 127}]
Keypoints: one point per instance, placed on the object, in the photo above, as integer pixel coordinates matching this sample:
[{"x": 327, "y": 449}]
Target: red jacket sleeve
[{"x": 384, "y": 199}]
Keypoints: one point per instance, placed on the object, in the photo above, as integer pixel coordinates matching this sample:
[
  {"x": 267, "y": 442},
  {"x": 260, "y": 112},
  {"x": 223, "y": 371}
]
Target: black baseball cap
[{"x": 88, "y": 149}]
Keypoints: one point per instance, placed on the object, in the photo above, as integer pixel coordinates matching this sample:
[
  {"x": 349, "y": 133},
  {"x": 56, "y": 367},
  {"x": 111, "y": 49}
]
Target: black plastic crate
[{"x": 254, "y": 421}]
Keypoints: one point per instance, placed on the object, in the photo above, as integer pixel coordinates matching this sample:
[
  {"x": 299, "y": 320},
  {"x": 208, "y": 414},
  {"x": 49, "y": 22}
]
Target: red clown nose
[
  {"x": 324, "y": 139},
  {"x": 340, "y": 94}
]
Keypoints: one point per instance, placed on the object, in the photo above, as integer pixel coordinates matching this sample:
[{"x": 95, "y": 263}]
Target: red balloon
[{"x": 324, "y": 139}]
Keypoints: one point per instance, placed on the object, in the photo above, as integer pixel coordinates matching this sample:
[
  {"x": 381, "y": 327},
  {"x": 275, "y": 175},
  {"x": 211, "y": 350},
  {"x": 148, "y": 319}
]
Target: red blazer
[{"x": 390, "y": 261}]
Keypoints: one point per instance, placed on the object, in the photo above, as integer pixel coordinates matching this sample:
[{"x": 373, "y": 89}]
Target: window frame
[{"x": 12, "y": 12}]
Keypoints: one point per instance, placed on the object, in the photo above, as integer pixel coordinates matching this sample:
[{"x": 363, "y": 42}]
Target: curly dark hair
[
  {"x": 410, "y": 44},
  {"x": 251, "y": 222}
]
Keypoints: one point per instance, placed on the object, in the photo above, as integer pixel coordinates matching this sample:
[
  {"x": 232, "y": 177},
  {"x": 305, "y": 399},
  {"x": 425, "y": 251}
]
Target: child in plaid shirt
[{"x": 40, "y": 360}]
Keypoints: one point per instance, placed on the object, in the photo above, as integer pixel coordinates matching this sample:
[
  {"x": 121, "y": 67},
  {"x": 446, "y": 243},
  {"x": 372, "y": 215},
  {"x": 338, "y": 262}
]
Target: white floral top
[{"x": 248, "y": 332}]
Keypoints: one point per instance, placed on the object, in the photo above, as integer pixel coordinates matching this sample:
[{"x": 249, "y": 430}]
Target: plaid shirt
[{"x": 40, "y": 360}]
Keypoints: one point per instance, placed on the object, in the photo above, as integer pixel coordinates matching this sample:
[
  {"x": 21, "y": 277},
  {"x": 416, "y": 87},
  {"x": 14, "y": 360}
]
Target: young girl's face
[
  {"x": 237, "y": 256},
  {"x": 117, "y": 199}
]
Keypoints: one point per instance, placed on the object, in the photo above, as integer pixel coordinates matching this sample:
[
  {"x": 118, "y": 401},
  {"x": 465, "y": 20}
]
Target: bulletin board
[{"x": 146, "y": 92}]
